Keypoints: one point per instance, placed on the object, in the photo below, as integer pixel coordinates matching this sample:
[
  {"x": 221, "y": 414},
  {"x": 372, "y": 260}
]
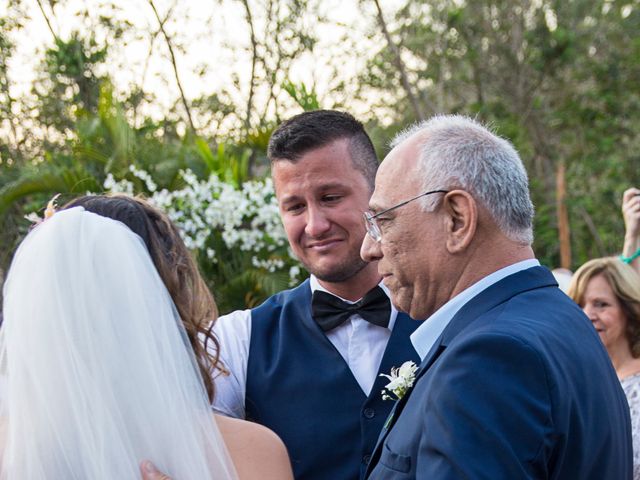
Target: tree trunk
[
  {"x": 563, "y": 218},
  {"x": 175, "y": 68},
  {"x": 46, "y": 19},
  {"x": 254, "y": 60},
  {"x": 399, "y": 65}
]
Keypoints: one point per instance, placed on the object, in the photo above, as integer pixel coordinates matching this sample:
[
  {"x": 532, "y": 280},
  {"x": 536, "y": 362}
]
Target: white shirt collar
[
  {"x": 315, "y": 285},
  {"x": 426, "y": 334}
]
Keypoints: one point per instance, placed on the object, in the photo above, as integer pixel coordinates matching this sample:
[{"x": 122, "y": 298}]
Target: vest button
[
  {"x": 369, "y": 413},
  {"x": 366, "y": 459}
]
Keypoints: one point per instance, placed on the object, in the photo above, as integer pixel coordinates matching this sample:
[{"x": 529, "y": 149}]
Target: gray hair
[{"x": 460, "y": 152}]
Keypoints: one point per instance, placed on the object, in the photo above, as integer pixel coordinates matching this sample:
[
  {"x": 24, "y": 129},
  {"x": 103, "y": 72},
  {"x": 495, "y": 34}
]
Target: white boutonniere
[{"x": 401, "y": 380}]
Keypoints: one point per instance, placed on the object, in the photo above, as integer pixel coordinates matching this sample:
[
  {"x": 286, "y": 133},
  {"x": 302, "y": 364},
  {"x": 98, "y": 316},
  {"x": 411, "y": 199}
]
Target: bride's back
[{"x": 99, "y": 368}]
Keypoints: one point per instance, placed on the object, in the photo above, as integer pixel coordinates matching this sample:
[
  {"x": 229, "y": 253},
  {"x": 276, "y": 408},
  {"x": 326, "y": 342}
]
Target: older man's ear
[{"x": 461, "y": 212}]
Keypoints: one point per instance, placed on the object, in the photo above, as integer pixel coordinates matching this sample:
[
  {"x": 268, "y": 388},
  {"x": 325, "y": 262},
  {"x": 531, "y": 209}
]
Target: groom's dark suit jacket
[
  {"x": 299, "y": 385},
  {"x": 518, "y": 386}
]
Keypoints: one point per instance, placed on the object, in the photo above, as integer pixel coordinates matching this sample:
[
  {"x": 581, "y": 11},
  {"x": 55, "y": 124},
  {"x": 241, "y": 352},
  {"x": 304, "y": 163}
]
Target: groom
[
  {"x": 514, "y": 381},
  {"x": 307, "y": 362}
]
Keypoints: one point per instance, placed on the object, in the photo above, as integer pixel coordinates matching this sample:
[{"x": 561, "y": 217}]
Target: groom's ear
[{"x": 461, "y": 212}]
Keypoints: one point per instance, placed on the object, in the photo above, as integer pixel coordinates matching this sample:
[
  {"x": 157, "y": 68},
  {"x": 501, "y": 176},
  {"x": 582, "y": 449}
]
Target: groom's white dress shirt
[{"x": 360, "y": 343}]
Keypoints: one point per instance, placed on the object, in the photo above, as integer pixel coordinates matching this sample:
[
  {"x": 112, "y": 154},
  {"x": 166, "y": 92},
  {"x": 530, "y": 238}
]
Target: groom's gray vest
[{"x": 300, "y": 386}]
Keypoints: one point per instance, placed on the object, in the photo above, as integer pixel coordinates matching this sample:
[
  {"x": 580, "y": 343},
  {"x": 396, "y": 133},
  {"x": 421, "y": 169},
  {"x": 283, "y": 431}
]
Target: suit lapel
[
  {"x": 435, "y": 352},
  {"x": 399, "y": 350},
  {"x": 399, "y": 341}
]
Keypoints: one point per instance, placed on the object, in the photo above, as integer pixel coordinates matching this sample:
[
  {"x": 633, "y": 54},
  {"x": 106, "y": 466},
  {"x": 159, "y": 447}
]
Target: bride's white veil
[{"x": 97, "y": 371}]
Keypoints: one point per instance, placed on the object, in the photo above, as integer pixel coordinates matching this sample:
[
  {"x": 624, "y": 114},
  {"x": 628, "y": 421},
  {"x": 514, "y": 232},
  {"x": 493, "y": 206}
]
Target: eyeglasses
[{"x": 373, "y": 229}]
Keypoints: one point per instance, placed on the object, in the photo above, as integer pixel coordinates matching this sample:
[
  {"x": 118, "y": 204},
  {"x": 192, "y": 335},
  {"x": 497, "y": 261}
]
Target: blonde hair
[{"x": 625, "y": 283}]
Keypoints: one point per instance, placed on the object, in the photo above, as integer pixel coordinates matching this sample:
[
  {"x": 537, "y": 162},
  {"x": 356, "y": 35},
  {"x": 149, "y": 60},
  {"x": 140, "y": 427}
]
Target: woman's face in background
[{"x": 602, "y": 307}]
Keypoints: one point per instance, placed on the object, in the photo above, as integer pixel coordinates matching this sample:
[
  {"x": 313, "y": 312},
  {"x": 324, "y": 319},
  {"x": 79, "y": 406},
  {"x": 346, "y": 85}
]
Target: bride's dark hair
[{"x": 176, "y": 267}]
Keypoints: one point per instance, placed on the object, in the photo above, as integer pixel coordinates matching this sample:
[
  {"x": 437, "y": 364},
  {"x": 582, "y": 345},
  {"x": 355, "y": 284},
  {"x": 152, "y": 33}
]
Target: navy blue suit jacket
[{"x": 518, "y": 386}]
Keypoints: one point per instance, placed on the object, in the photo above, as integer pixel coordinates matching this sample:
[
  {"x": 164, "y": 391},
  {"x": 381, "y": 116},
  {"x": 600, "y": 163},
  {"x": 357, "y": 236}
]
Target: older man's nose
[{"x": 370, "y": 250}]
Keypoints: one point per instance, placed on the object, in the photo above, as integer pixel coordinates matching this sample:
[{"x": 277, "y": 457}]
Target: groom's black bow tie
[{"x": 329, "y": 311}]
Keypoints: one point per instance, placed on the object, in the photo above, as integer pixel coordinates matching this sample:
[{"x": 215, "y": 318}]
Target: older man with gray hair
[{"x": 514, "y": 382}]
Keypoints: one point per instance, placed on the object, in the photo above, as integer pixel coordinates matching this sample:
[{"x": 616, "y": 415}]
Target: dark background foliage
[{"x": 559, "y": 78}]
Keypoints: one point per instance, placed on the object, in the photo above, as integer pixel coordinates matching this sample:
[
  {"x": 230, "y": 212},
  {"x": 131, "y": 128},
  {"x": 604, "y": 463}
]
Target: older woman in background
[{"x": 608, "y": 291}]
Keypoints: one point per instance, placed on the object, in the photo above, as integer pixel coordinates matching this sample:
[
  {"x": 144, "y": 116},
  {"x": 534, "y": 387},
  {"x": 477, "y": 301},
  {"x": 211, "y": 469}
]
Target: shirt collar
[
  {"x": 426, "y": 334},
  {"x": 315, "y": 285}
]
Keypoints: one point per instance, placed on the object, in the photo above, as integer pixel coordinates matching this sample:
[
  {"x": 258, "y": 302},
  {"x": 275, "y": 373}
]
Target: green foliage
[
  {"x": 559, "y": 79},
  {"x": 237, "y": 284},
  {"x": 308, "y": 100},
  {"x": 69, "y": 84},
  {"x": 103, "y": 144},
  {"x": 232, "y": 168}
]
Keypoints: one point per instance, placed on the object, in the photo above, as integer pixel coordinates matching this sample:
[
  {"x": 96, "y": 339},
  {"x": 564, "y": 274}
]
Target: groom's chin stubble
[{"x": 340, "y": 273}]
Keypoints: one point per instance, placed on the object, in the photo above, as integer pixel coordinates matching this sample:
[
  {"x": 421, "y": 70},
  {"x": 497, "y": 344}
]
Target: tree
[{"x": 554, "y": 77}]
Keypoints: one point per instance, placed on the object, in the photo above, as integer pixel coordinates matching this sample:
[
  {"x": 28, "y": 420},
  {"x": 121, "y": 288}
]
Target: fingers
[
  {"x": 629, "y": 195},
  {"x": 630, "y": 202},
  {"x": 631, "y": 205},
  {"x": 631, "y": 212},
  {"x": 150, "y": 472}
]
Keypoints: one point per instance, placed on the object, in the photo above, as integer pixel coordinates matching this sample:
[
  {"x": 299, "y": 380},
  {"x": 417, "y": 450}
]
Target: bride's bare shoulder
[{"x": 256, "y": 451}]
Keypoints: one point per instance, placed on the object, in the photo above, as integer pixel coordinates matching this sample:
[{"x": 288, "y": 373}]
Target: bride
[{"x": 103, "y": 356}]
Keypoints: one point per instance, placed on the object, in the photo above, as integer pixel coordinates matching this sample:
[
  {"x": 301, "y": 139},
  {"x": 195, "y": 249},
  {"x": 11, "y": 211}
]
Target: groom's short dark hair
[{"x": 318, "y": 128}]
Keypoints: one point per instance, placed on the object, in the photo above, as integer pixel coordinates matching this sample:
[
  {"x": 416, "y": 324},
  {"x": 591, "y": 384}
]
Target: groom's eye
[{"x": 294, "y": 207}]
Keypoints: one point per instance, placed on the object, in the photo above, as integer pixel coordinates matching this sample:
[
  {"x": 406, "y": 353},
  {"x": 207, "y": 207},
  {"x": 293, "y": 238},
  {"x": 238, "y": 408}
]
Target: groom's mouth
[{"x": 323, "y": 245}]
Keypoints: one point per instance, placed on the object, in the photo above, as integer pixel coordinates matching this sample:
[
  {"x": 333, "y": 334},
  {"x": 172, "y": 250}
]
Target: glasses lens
[{"x": 372, "y": 226}]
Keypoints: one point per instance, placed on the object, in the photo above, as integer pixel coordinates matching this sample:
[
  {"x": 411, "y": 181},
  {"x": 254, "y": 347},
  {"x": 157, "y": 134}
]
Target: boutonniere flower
[{"x": 400, "y": 381}]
